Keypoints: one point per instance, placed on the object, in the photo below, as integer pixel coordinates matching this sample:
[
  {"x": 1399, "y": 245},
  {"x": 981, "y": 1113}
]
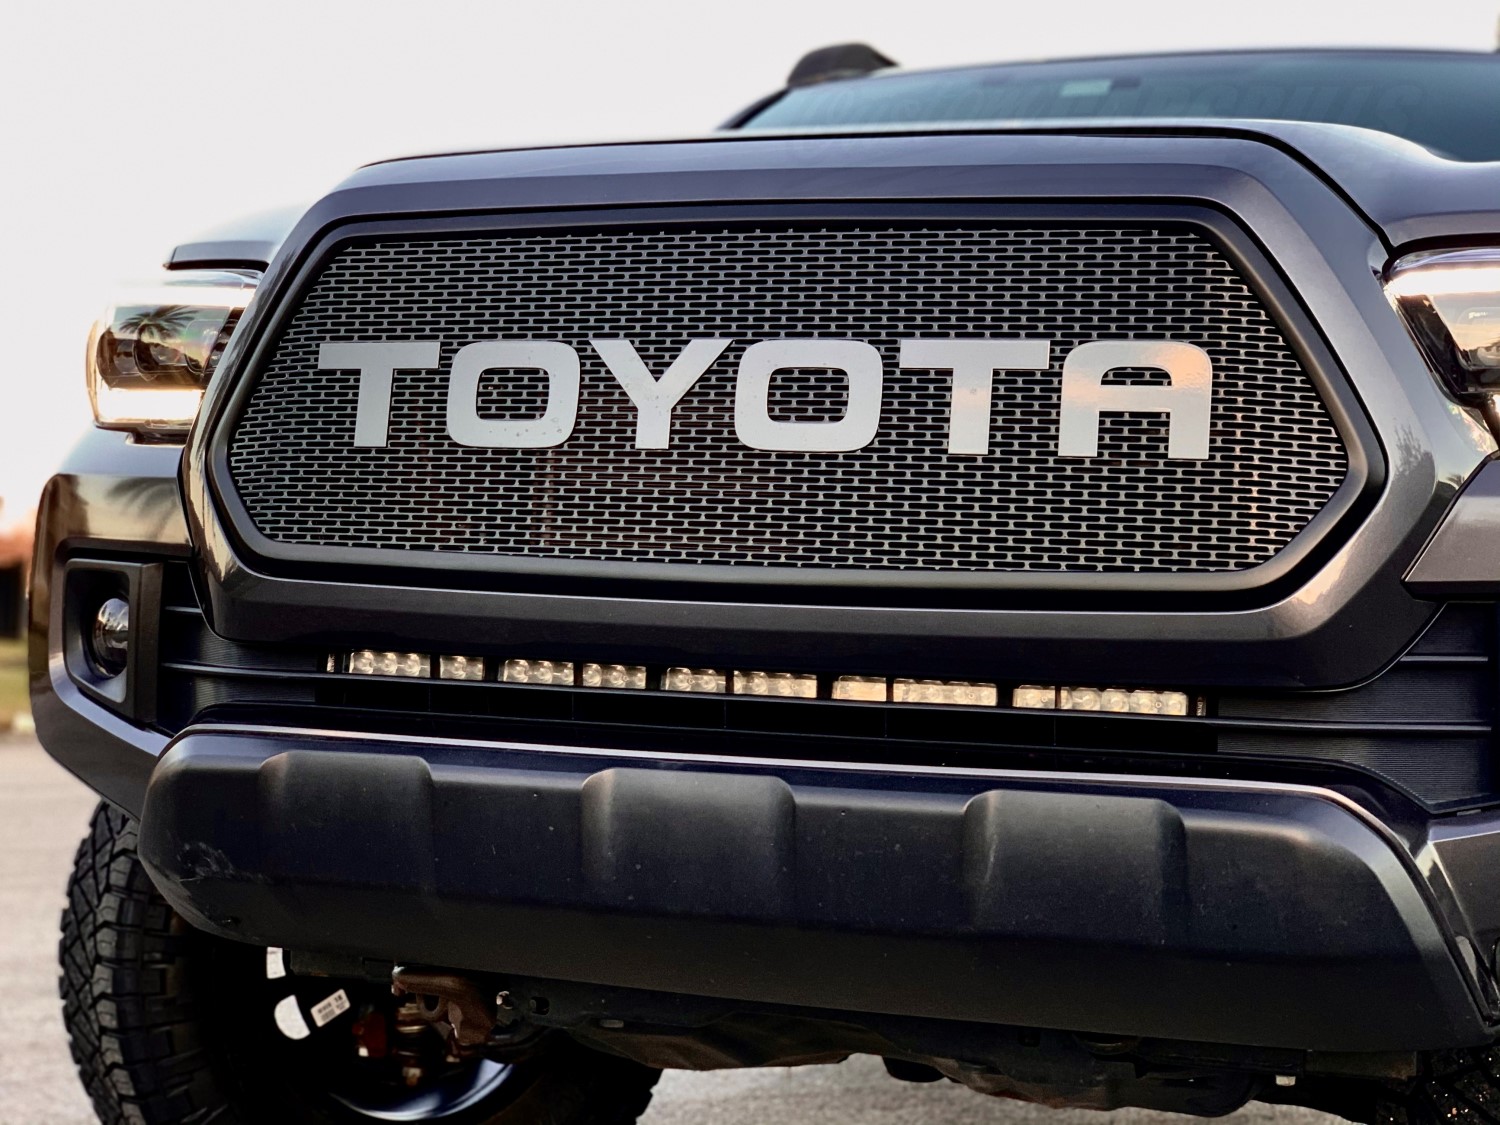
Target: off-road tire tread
[
  {"x": 137, "y": 1035},
  {"x": 128, "y": 1010}
]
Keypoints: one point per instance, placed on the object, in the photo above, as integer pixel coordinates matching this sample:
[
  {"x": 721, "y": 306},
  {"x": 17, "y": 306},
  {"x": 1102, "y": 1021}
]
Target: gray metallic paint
[
  {"x": 114, "y": 495},
  {"x": 113, "y": 498},
  {"x": 248, "y": 240},
  {"x": 1463, "y": 558},
  {"x": 1410, "y": 194},
  {"x": 118, "y": 498},
  {"x": 1402, "y": 189},
  {"x": 1339, "y": 627}
]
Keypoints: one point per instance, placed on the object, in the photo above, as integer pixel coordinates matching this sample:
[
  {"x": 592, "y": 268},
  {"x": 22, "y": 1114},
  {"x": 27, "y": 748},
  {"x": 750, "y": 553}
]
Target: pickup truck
[{"x": 991, "y": 568}]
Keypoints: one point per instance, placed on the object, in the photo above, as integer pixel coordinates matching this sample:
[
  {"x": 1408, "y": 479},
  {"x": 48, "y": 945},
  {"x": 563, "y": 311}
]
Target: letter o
[
  {"x": 554, "y": 427},
  {"x": 753, "y": 423}
]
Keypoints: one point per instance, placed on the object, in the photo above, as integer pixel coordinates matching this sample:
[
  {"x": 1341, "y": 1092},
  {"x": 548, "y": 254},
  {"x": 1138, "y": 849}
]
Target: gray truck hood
[{"x": 1405, "y": 192}]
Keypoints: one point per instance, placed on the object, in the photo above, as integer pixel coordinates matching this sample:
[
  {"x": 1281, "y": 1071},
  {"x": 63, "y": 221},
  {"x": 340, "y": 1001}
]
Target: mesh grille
[{"x": 902, "y": 502}]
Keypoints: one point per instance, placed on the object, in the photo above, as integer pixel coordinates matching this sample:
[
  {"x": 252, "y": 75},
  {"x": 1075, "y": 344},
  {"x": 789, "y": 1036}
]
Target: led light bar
[
  {"x": 777, "y": 685},
  {"x": 614, "y": 676},
  {"x": 1159, "y": 703},
  {"x": 369, "y": 662},
  {"x": 707, "y": 681},
  {"x": 955, "y": 693},
  {"x": 552, "y": 673},
  {"x": 865, "y": 689},
  {"x": 460, "y": 667},
  {"x": 1032, "y": 697},
  {"x": 1092, "y": 699},
  {"x": 782, "y": 685},
  {"x": 1117, "y": 700}
]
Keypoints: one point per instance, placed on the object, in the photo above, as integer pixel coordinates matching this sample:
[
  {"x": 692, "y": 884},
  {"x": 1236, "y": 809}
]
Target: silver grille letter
[
  {"x": 974, "y": 363},
  {"x": 654, "y": 398},
  {"x": 1085, "y": 396},
  {"x": 559, "y": 361},
  {"x": 377, "y": 363},
  {"x": 855, "y": 430}
]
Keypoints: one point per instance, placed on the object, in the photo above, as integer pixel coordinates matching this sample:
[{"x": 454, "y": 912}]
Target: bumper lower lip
[{"x": 1271, "y": 916}]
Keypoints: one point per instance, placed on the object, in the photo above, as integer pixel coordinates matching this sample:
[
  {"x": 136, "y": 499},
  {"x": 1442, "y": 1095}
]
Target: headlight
[
  {"x": 1451, "y": 302},
  {"x": 151, "y": 354}
]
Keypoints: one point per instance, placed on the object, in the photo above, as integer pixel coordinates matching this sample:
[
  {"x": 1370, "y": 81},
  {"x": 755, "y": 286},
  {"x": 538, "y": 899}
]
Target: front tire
[{"x": 168, "y": 1027}]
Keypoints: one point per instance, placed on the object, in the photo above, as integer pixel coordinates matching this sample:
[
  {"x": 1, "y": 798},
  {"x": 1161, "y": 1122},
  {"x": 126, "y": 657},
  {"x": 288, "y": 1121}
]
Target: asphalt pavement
[{"x": 44, "y": 812}]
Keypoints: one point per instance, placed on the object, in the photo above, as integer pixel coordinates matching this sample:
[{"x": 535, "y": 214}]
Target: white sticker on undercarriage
[
  {"x": 275, "y": 963},
  {"x": 289, "y": 1019},
  {"x": 336, "y": 1005}
]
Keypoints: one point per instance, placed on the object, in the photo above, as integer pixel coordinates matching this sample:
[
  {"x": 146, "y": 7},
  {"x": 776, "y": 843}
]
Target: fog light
[
  {"x": 614, "y": 676},
  {"x": 109, "y": 640}
]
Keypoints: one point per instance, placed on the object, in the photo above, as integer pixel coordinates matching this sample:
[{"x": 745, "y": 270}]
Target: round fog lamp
[{"x": 110, "y": 639}]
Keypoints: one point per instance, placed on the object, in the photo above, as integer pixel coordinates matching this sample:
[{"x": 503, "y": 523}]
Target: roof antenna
[{"x": 842, "y": 60}]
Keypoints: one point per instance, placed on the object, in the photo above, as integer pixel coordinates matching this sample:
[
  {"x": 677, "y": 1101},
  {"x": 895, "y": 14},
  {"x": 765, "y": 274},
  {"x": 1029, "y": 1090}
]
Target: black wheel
[{"x": 169, "y": 1026}]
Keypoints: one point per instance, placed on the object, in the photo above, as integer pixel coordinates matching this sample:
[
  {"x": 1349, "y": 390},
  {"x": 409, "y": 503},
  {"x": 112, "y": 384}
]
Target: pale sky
[{"x": 130, "y": 125}]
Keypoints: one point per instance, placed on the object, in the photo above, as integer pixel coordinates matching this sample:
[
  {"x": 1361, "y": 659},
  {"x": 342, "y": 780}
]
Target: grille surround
[{"x": 1224, "y": 237}]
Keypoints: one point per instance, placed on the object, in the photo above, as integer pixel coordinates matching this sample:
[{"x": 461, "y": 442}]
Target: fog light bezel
[{"x": 87, "y": 584}]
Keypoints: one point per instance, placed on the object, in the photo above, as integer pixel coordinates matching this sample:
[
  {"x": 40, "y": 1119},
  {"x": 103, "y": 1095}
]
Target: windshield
[{"x": 1448, "y": 102}]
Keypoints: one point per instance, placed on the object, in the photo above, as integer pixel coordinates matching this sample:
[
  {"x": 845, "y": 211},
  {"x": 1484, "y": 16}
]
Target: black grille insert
[{"x": 902, "y": 503}]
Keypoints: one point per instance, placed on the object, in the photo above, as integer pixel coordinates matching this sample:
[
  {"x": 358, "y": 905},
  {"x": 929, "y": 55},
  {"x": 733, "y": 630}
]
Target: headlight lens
[
  {"x": 1451, "y": 302},
  {"x": 152, "y": 353}
]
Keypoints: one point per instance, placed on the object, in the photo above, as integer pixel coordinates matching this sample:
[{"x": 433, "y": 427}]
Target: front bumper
[{"x": 1276, "y": 916}]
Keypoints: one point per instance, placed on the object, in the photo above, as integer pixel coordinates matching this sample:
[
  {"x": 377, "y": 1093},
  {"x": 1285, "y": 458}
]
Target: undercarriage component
[
  {"x": 494, "y": 1015},
  {"x": 905, "y": 1071},
  {"x": 450, "y": 1001},
  {"x": 1052, "y": 1068}
]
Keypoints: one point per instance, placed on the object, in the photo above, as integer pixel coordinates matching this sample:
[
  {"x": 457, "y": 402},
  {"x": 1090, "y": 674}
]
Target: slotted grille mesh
[{"x": 902, "y": 502}]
